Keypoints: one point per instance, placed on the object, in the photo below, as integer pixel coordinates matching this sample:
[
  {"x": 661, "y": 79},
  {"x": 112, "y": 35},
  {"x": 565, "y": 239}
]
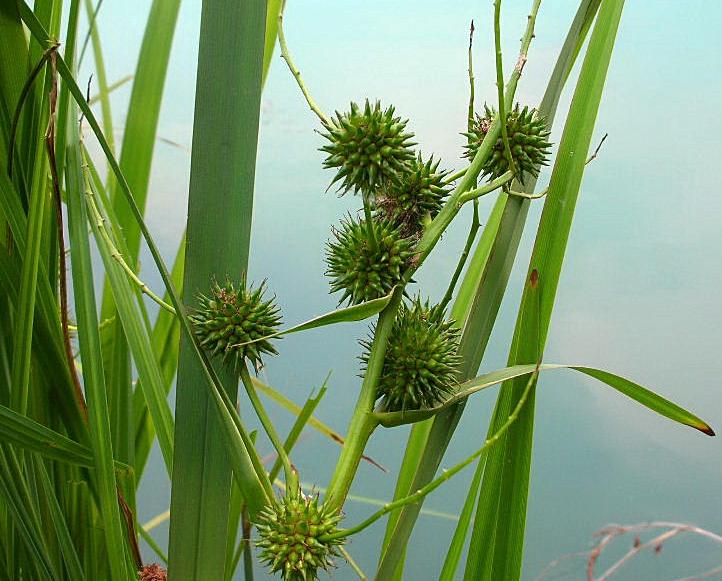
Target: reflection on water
[{"x": 640, "y": 288}]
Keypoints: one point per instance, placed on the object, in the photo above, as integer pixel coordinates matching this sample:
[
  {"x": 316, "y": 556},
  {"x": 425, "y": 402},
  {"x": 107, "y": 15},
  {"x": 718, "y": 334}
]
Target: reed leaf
[
  {"x": 218, "y": 236},
  {"x": 90, "y": 354}
]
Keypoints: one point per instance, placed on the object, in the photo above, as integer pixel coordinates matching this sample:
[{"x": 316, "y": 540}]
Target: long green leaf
[
  {"x": 59, "y": 524},
  {"x": 90, "y": 354},
  {"x": 26, "y": 433},
  {"x": 501, "y": 513},
  {"x": 354, "y": 313},
  {"x": 136, "y": 159},
  {"x": 218, "y": 236},
  {"x": 632, "y": 390}
]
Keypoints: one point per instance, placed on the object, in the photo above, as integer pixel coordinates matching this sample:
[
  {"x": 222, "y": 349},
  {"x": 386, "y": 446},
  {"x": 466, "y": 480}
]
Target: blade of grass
[
  {"x": 21, "y": 507},
  {"x": 165, "y": 339},
  {"x": 65, "y": 541},
  {"x": 25, "y": 312},
  {"x": 501, "y": 512},
  {"x": 90, "y": 354},
  {"x": 136, "y": 158},
  {"x": 218, "y": 237},
  {"x": 303, "y": 417},
  {"x": 273, "y": 9},
  {"x": 104, "y": 90},
  {"x": 634, "y": 391},
  {"x": 26, "y": 433},
  {"x": 350, "y": 314}
]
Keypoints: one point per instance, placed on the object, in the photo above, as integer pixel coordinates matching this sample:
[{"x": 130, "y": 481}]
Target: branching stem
[
  {"x": 100, "y": 221},
  {"x": 286, "y": 56},
  {"x": 464, "y": 255},
  {"x": 499, "y": 182},
  {"x": 446, "y": 475}
]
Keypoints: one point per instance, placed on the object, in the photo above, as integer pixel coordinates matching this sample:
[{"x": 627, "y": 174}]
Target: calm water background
[{"x": 640, "y": 292}]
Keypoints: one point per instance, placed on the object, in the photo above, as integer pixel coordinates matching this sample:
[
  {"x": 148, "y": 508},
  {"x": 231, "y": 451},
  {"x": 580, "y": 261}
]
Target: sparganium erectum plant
[{"x": 81, "y": 412}]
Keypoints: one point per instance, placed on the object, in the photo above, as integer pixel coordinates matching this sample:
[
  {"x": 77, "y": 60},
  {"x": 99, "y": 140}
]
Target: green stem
[
  {"x": 268, "y": 427},
  {"x": 528, "y": 196},
  {"x": 362, "y": 422},
  {"x": 446, "y": 475},
  {"x": 455, "y": 176},
  {"x": 100, "y": 221},
  {"x": 499, "y": 182},
  {"x": 500, "y": 83},
  {"x": 295, "y": 72},
  {"x": 369, "y": 222},
  {"x": 470, "y": 120},
  {"x": 464, "y": 255}
]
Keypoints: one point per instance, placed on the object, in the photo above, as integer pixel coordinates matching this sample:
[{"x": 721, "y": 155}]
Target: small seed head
[
  {"x": 228, "y": 318},
  {"x": 415, "y": 197},
  {"x": 528, "y": 141},
  {"x": 293, "y": 537},
  {"x": 421, "y": 365},
  {"x": 363, "y": 270},
  {"x": 367, "y": 146}
]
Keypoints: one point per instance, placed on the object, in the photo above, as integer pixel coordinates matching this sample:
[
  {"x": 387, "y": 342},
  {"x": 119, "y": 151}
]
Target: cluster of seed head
[
  {"x": 364, "y": 269},
  {"x": 421, "y": 365},
  {"x": 235, "y": 323},
  {"x": 368, "y": 146},
  {"x": 529, "y": 144},
  {"x": 415, "y": 197},
  {"x": 294, "y": 535}
]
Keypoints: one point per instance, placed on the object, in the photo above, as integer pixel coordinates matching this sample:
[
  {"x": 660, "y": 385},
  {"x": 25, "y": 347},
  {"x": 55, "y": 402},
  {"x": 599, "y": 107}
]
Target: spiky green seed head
[
  {"x": 228, "y": 318},
  {"x": 528, "y": 142},
  {"x": 367, "y": 146},
  {"x": 293, "y": 533},
  {"x": 421, "y": 365},
  {"x": 415, "y": 197},
  {"x": 363, "y": 269}
]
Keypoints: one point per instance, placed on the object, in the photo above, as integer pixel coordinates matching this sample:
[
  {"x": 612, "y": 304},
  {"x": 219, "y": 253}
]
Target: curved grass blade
[
  {"x": 634, "y": 391},
  {"x": 350, "y": 314},
  {"x": 26, "y": 433}
]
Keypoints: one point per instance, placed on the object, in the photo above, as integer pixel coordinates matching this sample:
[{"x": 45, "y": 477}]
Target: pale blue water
[{"x": 640, "y": 292}]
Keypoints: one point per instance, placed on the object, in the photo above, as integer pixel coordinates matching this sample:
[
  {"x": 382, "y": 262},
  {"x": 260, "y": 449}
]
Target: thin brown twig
[
  {"x": 604, "y": 537},
  {"x": 596, "y": 151}
]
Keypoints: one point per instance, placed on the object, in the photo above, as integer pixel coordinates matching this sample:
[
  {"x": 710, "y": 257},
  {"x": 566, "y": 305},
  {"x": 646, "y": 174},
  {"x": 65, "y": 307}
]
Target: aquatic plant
[{"x": 84, "y": 401}]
